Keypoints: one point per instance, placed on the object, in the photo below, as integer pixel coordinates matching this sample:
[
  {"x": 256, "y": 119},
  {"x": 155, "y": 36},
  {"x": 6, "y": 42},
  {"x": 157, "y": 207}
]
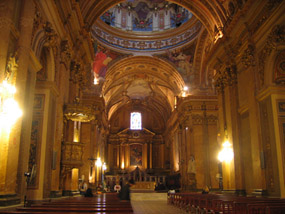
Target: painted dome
[
  {"x": 152, "y": 27},
  {"x": 146, "y": 16}
]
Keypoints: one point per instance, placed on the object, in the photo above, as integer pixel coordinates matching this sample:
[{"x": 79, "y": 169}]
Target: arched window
[{"x": 136, "y": 120}]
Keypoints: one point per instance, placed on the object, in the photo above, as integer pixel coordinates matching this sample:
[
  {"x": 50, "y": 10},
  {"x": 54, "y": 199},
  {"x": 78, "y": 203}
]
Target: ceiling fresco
[
  {"x": 148, "y": 51},
  {"x": 146, "y": 16}
]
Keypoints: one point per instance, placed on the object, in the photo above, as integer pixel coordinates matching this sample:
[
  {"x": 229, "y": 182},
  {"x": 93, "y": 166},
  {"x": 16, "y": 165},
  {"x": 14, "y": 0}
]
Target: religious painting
[
  {"x": 39, "y": 102},
  {"x": 281, "y": 107},
  {"x": 102, "y": 60},
  {"x": 183, "y": 60},
  {"x": 136, "y": 154},
  {"x": 279, "y": 70}
]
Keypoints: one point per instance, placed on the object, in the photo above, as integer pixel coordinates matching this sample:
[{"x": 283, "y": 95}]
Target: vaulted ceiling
[{"x": 153, "y": 68}]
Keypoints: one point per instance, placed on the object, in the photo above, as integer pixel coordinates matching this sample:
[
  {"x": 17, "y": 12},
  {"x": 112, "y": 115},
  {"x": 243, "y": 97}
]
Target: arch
[{"x": 39, "y": 45}]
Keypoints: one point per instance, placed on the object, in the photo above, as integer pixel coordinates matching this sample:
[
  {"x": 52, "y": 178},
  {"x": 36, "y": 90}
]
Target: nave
[
  {"x": 100, "y": 203},
  {"x": 156, "y": 203},
  {"x": 175, "y": 95}
]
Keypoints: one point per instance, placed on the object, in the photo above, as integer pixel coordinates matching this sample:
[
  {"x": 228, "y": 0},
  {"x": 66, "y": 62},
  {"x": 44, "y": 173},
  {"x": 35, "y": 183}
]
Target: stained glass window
[{"x": 136, "y": 120}]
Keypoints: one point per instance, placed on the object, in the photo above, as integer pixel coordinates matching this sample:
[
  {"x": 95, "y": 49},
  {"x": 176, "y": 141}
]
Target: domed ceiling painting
[
  {"x": 146, "y": 16},
  {"x": 167, "y": 34}
]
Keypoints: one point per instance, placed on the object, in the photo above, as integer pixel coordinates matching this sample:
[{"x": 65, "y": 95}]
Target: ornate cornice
[{"x": 145, "y": 42}]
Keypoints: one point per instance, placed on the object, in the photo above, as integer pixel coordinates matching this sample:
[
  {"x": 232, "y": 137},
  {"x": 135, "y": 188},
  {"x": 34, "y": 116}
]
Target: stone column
[
  {"x": 6, "y": 15},
  {"x": 6, "y": 23},
  {"x": 206, "y": 147},
  {"x": 18, "y": 153},
  {"x": 148, "y": 155}
]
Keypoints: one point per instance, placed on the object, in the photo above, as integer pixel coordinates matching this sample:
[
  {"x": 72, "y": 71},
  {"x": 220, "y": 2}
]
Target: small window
[{"x": 136, "y": 120}]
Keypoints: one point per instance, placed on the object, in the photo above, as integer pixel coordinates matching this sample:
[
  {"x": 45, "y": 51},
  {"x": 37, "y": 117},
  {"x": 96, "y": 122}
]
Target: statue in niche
[
  {"x": 191, "y": 171},
  {"x": 191, "y": 165}
]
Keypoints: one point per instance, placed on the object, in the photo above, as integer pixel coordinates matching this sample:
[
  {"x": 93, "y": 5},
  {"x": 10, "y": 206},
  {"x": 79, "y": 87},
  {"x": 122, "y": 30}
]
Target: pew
[
  {"x": 226, "y": 204},
  {"x": 103, "y": 203}
]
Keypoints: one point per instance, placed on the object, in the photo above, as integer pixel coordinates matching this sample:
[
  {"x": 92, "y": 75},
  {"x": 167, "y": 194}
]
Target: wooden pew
[
  {"x": 225, "y": 204},
  {"x": 105, "y": 203}
]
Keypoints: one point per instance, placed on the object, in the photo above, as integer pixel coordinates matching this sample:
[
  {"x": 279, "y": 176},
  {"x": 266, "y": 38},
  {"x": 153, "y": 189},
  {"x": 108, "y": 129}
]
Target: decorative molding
[{"x": 146, "y": 45}]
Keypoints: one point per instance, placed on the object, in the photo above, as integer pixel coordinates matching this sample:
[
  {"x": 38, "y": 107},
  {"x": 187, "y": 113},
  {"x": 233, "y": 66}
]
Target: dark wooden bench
[
  {"x": 224, "y": 204},
  {"x": 105, "y": 203}
]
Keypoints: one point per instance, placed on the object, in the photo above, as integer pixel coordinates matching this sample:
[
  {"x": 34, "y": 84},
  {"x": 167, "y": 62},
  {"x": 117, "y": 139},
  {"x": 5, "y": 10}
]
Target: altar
[{"x": 143, "y": 185}]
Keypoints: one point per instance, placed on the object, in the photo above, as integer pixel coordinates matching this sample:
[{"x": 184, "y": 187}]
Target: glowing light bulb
[{"x": 226, "y": 154}]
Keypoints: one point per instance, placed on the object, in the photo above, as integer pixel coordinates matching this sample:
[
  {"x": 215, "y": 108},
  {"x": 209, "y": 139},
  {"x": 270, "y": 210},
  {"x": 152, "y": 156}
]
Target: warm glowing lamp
[
  {"x": 96, "y": 81},
  {"x": 98, "y": 162},
  {"x": 226, "y": 154},
  {"x": 9, "y": 108}
]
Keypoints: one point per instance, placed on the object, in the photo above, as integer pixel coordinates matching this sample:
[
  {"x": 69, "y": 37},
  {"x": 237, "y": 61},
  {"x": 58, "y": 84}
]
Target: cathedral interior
[{"x": 174, "y": 94}]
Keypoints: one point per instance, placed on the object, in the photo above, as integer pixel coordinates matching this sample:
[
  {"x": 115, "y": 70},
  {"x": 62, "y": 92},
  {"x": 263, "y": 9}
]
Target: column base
[
  {"x": 9, "y": 199},
  {"x": 259, "y": 192},
  {"x": 241, "y": 192},
  {"x": 70, "y": 192},
  {"x": 55, "y": 194}
]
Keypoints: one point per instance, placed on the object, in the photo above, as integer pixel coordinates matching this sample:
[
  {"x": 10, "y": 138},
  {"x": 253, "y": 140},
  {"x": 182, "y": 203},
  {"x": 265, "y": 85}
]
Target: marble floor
[
  {"x": 152, "y": 203},
  {"x": 155, "y": 207}
]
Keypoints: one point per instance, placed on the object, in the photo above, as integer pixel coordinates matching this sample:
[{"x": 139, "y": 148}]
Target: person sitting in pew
[
  {"x": 88, "y": 193},
  {"x": 206, "y": 190},
  {"x": 124, "y": 194}
]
